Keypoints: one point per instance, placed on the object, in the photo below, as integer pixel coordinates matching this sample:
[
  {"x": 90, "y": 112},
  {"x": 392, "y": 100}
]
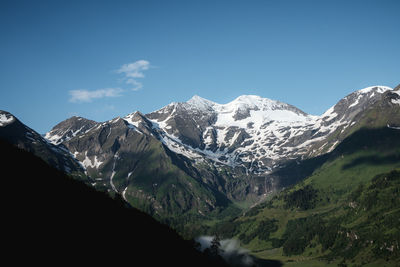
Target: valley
[
  {"x": 346, "y": 212},
  {"x": 292, "y": 187}
]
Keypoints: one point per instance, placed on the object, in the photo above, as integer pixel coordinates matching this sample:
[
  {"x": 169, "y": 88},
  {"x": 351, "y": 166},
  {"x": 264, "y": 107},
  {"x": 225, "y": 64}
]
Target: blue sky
[{"x": 102, "y": 59}]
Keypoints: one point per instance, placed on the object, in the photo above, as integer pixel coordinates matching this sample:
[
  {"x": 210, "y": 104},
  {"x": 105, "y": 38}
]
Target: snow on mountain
[
  {"x": 377, "y": 88},
  {"x": 254, "y": 132},
  {"x": 200, "y": 138},
  {"x": 248, "y": 131},
  {"x": 257, "y": 111},
  {"x": 174, "y": 151},
  {"x": 396, "y": 101},
  {"x": 370, "y": 91},
  {"x": 68, "y": 129},
  {"x": 200, "y": 103},
  {"x": 5, "y": 118},
  {"x": 138, "y": 122}
]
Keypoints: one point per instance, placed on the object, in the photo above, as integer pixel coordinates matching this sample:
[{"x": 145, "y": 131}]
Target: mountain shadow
[
  {"x": 366, "y": 139},
  {"x": 380, "y": 139},
  {"x": 373, "y": 160},
  {"x": 50, "y": 218}
]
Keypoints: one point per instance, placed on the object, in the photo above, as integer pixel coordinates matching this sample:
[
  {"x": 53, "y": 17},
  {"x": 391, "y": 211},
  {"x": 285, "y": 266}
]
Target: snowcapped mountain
[
  {"x": 195, "y": 159},
  {"x": 125, "y": 156},
  {"x": 196, "y": 156},
  {"x": 256, "y": 133},
  {"x": 343, "y": 118},
  {"x": 251, "y": 132},
  {"x": 69, "y": 128}
]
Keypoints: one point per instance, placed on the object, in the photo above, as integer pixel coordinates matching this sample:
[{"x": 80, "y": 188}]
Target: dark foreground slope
[{"x": 52, "y": 219}]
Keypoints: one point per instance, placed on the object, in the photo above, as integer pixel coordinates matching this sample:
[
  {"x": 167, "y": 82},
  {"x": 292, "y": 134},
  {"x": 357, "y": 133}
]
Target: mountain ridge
[
  {"x": 213, "y": 130},
  {"x": 15, "y": 132},
  {"x": 251, "y": 136},
  {"x": 197, "y": 160}
]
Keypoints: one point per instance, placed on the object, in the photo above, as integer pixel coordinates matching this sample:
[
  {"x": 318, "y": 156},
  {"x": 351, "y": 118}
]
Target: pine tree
[{"x": 215, "y": 247}]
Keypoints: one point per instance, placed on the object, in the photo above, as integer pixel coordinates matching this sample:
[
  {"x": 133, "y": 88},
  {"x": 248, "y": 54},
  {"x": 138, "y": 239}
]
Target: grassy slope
[
  {"x": 189, "y": 205},
  {"x": 354, "y": 162}
]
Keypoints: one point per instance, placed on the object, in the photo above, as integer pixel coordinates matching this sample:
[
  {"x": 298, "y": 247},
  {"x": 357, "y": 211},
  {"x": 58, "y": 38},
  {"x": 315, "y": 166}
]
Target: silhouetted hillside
[{"x": 51, "y": 218}]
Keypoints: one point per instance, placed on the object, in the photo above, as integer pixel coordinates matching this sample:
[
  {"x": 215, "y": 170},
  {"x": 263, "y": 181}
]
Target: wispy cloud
[
  {"x": 133, "y": 71},
  {"x": 137, "y": 85},
  {"x": 78, "y": 96}
]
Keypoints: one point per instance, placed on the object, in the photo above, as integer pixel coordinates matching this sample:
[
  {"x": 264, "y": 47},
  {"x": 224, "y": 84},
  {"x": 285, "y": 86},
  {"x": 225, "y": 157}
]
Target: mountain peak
[
  {"x": 6, "y": 118},
  {"x": 249, "y": 98},
  {"x": 135, "y": 117},
  {"x": 200, "y": 103},
  {"x": 377, "y": 88},
  {"x": 69, "y": 128},
  {"x": 253, "y": 100}
]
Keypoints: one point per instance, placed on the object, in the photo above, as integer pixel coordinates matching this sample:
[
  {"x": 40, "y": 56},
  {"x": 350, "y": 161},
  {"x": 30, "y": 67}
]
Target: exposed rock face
[
  {"x": 198, "y": 155},
  {"x": 258, "y": 133},
  {"x": 124, "y": 155},
  {"x": 196, "y": 158},
  {"x": 69, "y": 128},
  {"x": 345, "y": 117},
  {"x": 225, "y": 133}
]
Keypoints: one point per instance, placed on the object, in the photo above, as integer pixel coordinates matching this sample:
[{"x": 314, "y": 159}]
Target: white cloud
[
  {"x": 88, "y": 96},
  {"x": 137, "y": 85},
  {"x": 131, "y": 72},
  {"x": 134, "y": 70}
]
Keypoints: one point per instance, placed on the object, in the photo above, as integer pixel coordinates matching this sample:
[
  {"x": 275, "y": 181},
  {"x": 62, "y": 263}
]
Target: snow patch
[
  {"x": 53, "y": 138},
  {"x": 329, "y": 114},
  {"x": 56, "y": 138},
  {"x": 396, "y": 101},
  {"x": 87, "y": 162},
  {"x": 124, "y": 193},
  {"x": 378, "y": 88},
  {"x": 393, "y": 127},
  {"x": 116, "y": 157},
  {"x": 355, "y": 103},
  {"x": 333, "y": 146},
  {"x": 4, "y": 119}
]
